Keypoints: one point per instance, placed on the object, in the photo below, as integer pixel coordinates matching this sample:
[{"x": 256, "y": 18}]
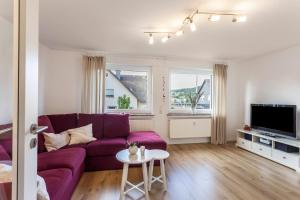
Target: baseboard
[{"x": 189, "y": 140}]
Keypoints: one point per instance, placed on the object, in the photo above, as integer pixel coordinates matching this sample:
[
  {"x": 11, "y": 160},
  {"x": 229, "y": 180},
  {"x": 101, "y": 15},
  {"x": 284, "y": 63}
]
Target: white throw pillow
[
  {"x": 81, "y": 135},
  {"x": 42, "y": 193},
  {"x": 56, "y": 141}
]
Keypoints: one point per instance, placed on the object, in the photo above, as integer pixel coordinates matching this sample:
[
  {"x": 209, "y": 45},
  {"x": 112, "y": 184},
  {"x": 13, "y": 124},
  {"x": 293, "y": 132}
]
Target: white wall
[
  {"x": 60, "y": 81},
  {"x": 272, "y": 78},
  {"x": 60, "y": 84},
  {"x": 235, "y": 112},
  {"x": 6, "y": 70}
]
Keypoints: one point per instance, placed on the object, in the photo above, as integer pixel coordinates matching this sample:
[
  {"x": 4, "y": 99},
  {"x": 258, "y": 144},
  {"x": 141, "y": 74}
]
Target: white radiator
[{"x": 189, "y": 128}]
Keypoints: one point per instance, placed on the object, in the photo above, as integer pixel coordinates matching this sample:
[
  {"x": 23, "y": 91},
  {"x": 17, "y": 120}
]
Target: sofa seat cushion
[
  {"x": 57, "y": 181},
  {"x": 71, "y": 158},
  {"x": 116, "y": 125},
  {"x": 149, "y": 139},
  {"x": 105, "y": 147}
]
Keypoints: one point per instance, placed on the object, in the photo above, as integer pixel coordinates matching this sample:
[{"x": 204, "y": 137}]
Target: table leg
[
  {"x": 150, "y": 173},
  {"x": 163, "y": 173},
  {"x": 123, "y": 183},
  {"x": 145, "y": 180}
]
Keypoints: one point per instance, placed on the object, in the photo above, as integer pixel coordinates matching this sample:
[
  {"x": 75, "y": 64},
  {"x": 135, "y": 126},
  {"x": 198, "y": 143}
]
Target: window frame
[
  {"x": 200, "y": 71},
  {"x": 136, "y": 68}
]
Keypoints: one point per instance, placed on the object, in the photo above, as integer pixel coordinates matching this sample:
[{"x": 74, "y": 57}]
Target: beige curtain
[
  {"x": 94, "y": 75},
  {"x": 219, "y": 104}
]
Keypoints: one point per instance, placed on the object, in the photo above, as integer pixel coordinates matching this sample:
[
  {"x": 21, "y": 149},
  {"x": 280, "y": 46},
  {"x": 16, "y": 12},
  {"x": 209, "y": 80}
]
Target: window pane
[
  {"x": 127, "y": 89},
  {"x": 110, "y": 93},
  {"x": 190, "y": 90}
]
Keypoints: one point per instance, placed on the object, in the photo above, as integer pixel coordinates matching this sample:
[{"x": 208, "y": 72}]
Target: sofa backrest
[
  {"x": 104, "y": 125},
  {"x": 6, "y": 143},
  {"x": 63, "y": 122},
  {"x": 56, "y": 124},
  {"x": 44, "y": 121},
  {"x": 96, "y": 119},
  {"x": 116, "y": 125},
  {"x": 4, "y": 154}
]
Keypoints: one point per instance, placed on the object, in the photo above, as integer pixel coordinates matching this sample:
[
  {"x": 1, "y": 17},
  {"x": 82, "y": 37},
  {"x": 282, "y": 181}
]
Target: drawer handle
[
  {"x": 284, "y": 157},
  {"x": 260, "y": 149},
  {"x": 243, "y": 142}
]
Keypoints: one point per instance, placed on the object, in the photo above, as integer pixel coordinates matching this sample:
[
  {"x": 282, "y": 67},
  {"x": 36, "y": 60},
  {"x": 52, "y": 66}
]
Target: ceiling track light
[
  {"x": 214, "y": 18},
  {"x": 192, "y": 25},
  {"x": 188, "y": 21},
  {"x": 179, "y": 32},
  {"x": 239, "y": 18},
  {"x": 151, "y": 39},
  {"x": 165, "y": 38}
]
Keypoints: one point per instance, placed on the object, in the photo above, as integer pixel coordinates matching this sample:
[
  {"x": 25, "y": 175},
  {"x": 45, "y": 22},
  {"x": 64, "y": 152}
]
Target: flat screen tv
[{"x": 275, "y": 119}]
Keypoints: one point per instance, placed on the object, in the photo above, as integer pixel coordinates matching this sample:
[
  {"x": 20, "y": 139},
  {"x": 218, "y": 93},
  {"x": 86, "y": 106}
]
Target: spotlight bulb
[
  {"x": 180, "y": 32},
  {"x": 165, "y": 39},
  {"x": 151, "y": 39},
  {"x": 192, "y": 26},
  {"x": 239, "y": 18},
  {"x": 214, "y": 18}
]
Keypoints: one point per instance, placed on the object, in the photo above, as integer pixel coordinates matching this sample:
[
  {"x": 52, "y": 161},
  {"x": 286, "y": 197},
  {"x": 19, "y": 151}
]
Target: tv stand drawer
[
  {"x": 262, "y": 150},
  {"x": 287, "y": 159},
  {"x": 243, "y": 143}
]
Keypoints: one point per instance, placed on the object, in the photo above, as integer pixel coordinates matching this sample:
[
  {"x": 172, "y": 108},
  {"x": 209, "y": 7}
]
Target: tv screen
[{"x": 277, "y": 119}]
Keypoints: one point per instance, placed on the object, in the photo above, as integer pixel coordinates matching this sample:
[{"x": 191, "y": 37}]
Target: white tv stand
[{"x": 291, "y": 160}]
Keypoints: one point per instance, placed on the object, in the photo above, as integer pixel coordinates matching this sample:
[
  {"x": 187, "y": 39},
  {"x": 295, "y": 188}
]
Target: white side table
[
  {"x": 160, "y": 155},
  {"x": 127, "y": 159}
]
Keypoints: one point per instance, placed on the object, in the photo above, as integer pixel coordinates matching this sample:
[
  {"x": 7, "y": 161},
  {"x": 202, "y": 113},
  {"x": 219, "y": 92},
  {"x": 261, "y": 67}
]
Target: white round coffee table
[
  {"x": 127, "y": 159},
  {"x": 161, "y": 155}
]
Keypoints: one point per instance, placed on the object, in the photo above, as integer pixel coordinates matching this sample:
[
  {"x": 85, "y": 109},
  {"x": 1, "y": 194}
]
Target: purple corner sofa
[{"x": 63, "y": 168}]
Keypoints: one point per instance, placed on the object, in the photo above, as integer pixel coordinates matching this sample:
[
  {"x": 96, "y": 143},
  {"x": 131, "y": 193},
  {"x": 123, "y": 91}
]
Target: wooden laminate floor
[{"x": 203, "y": 172}]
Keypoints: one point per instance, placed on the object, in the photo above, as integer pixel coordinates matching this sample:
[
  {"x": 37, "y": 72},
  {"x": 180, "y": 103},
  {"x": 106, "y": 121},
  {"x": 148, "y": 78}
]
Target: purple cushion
[
  {"x": 44, "y": 121},
  {"x": 70, "y": 158},
  {"x": 6, "y": 143},
  {"x": 105, "y": 147},
  {"x": 3, "y": 154},
  {"x": 149, "y": 139},
  {"x": 74, "y": 145},
  {"x": 116, "y": 125},
  {"x": 63, "y": 122},
  {"x": 96, "y": 120},
  {"x": 57, "y": 182}
]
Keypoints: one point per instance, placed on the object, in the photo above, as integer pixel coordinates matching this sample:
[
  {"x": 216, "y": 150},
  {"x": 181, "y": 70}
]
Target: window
[
  {"x": 110, "y": 93},
  {"x": 128, "y": 89},
  {"x": 190, "y": 91}
]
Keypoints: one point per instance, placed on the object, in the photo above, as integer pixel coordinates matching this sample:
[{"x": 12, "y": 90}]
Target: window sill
[
  {"x": 188, "y": 115},
  {"x": 140, "y": 116},
  {"x": 134, "y": 115}
]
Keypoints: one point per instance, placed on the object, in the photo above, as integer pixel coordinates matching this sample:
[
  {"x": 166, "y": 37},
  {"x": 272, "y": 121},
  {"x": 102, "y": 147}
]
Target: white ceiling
[{"x": 117, "y": 26}]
